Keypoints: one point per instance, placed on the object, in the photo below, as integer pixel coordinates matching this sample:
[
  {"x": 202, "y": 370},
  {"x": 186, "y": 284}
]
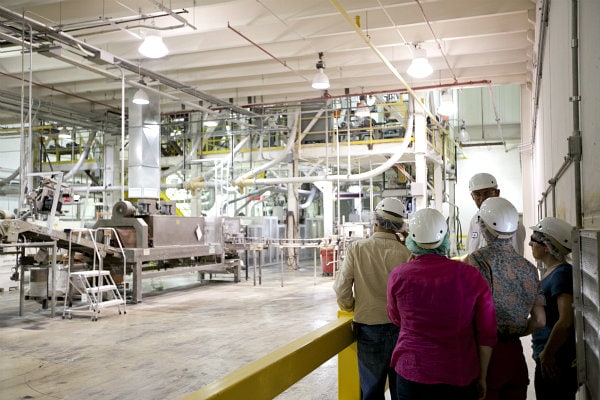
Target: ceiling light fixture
[
  {"x": 320, "y": 80},
  {"x": 141, "y": 97},
  {"x": 419, "y": 67},
  {"x": 153, "y": 47},
  {"x": 447, "y": 107}
]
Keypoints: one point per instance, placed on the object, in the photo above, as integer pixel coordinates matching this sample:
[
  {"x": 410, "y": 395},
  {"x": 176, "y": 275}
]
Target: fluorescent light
[
  {"x": 419, "y": 67},
  {"x": 153, "y": 47}
]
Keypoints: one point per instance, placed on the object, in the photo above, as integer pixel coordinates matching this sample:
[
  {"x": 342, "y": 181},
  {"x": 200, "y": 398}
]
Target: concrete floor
[{"x": 174, "y": 342}]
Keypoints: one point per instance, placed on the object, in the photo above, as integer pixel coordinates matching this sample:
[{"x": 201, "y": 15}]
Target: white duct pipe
[
  {"x": 82, "y": 157},
  {"x": 179, "y": 165},
  {"x": 279, "y": 158},
  {"x": 57, "y": 54},
  {"x": 341, "y": 178},
  {"x": 226, "y": 160}
]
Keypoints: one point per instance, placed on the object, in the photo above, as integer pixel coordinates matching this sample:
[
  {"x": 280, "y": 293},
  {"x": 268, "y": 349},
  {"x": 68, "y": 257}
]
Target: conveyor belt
[{"x": 14, "y": 230}]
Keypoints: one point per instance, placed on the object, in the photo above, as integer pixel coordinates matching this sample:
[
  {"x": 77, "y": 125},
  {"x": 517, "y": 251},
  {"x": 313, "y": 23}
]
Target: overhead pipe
[
  {"x": 496, "y": 117},
  {"x": 56, "y": 54},
  {"x": 278, "y": 189},
  {"x": 437, "y": 41},
  {"x": 376, "y": 92},
  {"x": 26, "y": 144},
  {"x": 309, "y": 199},
  {"x": 245, "y": 178},
  {"x": 544, "y": 15},
  {"x": 52, "y": 88},
  {"x": 173, "y": 14},
  {"x": 82, "y": 157},
  {"x": 267, "y": 52},
  {"x": 6, "y": 180},
  {"x": 201, "y": 181},
  {"x": 250, "y": 195},
  {"x": 105, "y": 57},
  {"x": 98, "y": 23},
  {"x": 387, "y": 63},
  {"x": 341, "y": 178},
  {"x": 99, "y": 189},
  {"x": 191, "y": 153},
  {"x": 575, "y": 141},
  {"x": 46, "y": 111}
]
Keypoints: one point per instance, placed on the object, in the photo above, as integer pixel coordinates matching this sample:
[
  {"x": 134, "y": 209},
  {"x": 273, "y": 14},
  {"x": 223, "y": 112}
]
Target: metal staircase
[{"x": 95, "y": 287}]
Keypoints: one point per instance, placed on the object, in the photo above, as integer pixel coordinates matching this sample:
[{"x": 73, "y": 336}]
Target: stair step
[
  {"x": 110, "y": 303},
  {"x": 92, "y": 273},
  {"x": 103, "y": 288}
]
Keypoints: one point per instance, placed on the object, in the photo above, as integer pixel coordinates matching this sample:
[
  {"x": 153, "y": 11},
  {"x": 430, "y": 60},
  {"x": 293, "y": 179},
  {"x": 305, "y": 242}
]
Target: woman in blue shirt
[{"x": 554, "y": 345}]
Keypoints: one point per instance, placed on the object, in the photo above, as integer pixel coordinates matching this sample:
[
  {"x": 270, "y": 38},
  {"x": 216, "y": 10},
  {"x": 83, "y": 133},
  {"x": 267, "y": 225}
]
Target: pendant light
[
  {"x": 447, "y": 107},
  {"x": 153, "y": 47},
  {"x": 141, "y": 97},
  {"x": 463, "y": 135},
  {"x": 320, "y": 80},
  {"x": 419, "y": 67}
]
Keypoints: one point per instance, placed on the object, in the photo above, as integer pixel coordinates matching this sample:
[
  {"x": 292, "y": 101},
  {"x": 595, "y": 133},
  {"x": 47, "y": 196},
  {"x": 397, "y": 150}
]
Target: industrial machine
[
  {"x": 146, "y": 239},
  {"x": 158, "y": 243}
]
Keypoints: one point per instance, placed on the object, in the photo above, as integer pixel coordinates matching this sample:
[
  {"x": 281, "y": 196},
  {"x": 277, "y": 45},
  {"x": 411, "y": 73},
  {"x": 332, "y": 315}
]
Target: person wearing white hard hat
[
  {"x": 517, "y": 298},
  {"x": 445, "y": 312},
  {"x": 554, "y": 344},
  {"x": 360, "y": 287},
  {"x": 483, "y": 186}
]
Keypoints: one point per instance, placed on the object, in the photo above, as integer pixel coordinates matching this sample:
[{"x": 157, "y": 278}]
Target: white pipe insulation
[
  {"x": 82, "y": 157},
  {"x": 342, "y": 178},
  {"x": 288, "y": 148}
]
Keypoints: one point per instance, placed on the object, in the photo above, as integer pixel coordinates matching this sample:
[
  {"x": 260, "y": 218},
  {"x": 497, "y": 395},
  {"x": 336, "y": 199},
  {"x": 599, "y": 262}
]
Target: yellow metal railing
[{"x": 272, "y": 374}]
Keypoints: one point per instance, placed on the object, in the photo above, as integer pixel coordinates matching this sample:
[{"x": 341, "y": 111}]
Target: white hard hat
[
  {"x": 392, "y": 209},
  {"x": 482, "y": 180},
  {"x": 499, "y": 214},
  {"x": 556, "y": 229},
  {"x": 428, "y": 228}
]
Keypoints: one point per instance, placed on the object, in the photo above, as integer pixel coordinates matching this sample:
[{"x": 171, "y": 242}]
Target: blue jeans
[
  {"x": 375, "y": 344},
  {"x": 409, "y": 390}
]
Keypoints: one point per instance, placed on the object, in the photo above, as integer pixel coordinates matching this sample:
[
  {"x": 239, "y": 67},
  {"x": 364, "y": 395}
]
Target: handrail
[{"x": 272, "y": 374}]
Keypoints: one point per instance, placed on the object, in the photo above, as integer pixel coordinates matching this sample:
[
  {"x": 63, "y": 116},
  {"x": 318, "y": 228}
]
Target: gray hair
[{"x": 385, "y": 223}]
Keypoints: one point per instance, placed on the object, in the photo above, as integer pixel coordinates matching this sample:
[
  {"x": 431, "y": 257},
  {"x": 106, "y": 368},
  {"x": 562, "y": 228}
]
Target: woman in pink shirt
[{"x": 446, "y": 315}]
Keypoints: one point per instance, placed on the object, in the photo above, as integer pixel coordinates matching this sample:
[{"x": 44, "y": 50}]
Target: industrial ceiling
[{"x": 244, "y": 52}]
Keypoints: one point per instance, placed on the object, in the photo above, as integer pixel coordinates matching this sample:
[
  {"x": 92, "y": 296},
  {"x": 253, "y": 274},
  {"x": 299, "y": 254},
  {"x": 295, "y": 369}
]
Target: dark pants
[
  {"x": 375, "y": 344},
  {"x": 507, "y": 377},
  {"x": 563, "y": 387},
  {"x": 408, "y": 390}
]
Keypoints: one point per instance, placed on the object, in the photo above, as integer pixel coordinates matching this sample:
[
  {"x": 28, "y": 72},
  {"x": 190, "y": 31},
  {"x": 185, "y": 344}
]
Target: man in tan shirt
[{"x": 361, "y": 287}]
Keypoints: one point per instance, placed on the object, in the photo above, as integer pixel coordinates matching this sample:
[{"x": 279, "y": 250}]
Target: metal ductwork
[{"x": 102, "y": 57}]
